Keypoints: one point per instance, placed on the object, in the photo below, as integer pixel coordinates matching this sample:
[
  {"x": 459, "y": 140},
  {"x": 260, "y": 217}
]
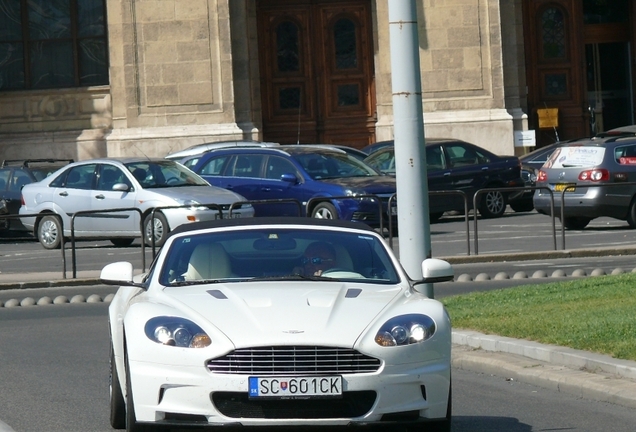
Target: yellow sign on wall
[{"x": 548, "y": 118}]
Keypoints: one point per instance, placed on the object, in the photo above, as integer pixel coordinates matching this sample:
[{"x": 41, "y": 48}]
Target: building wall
[
  {"x": 462, "y": 73},
  {"x": 186, "y": 72}
]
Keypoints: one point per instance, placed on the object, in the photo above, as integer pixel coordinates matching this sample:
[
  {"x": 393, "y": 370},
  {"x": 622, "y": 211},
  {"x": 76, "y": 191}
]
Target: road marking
[{"x": 5, "y": 427}]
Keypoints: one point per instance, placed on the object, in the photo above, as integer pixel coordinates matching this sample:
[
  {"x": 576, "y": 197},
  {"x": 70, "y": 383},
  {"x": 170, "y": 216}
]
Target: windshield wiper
[{"x": 195, "y": 282}]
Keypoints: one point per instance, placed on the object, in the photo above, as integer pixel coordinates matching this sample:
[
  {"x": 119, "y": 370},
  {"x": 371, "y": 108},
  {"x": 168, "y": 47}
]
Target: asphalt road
[
  {"x": 502, "y": 240},
  {"x": 55, "y": 378}
]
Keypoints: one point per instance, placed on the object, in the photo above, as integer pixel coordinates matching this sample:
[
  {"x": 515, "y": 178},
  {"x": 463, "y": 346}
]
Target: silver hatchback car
[
  {"x": 594, "y": 177},
  {"x": 97, "y": 185}
]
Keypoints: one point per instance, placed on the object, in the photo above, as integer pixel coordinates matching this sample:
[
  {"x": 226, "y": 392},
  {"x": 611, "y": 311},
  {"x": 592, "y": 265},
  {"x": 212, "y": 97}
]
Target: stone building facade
[{"x": 187, "y": 72}]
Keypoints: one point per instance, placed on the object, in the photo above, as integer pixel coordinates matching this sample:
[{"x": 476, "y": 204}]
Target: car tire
[
  {"x": 631, "y": 214},
  {"x": 522, "y": 206},
  {"x": 131, "y": 419},
  {"x": 122, "y": 242},
  {"x": 576, "y": 223},
  {"x": 161, "y": 229},
  {"x": 437, "y": 426},
  {"x": 435, "y": 217},
  {"x": 492, "y": 205},
  {"x": 50, "y": 232},
  {"x": 117, "y": 402},
  {"x": 324, "y": 210}
]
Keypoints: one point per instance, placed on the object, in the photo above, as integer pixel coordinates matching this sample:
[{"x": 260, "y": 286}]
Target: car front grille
[
  {"x": 238, "y": 405},
  {"x": 296, "y": 360}
]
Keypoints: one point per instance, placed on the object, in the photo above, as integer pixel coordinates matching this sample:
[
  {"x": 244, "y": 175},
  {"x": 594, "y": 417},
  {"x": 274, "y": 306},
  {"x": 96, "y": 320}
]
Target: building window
[
  {"x": 553, "y": 33},
  {"x": 52, "y": 44}
]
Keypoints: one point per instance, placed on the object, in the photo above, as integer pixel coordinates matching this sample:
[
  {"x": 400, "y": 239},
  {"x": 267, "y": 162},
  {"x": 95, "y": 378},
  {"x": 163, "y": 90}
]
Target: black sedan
[
  {"x": 455, "y": 168},
  {"x": 16, "y": 173}
]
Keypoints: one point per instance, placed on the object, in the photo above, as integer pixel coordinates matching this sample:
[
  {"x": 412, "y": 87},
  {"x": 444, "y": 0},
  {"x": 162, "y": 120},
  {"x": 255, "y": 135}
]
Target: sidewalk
[{"x": 583, "y": 374}]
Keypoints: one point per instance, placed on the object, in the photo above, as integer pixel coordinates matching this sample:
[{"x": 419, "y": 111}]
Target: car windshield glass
[
  {"x": 327, "y": 165},
  {"x": 280, "y": 254},
  {"x": 575, "y": 157},
  {"x": 163, "y": 174}
]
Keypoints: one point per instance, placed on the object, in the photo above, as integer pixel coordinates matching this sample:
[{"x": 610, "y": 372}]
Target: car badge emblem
[
  {"x": 294, "y": 331},
  {"x": 561, "y": 175}
]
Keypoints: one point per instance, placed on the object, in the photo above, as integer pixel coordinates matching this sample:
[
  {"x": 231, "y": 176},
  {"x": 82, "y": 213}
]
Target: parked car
[
  {"x": 222, "y": 330},
  {"x": 301, "y": 173},
  {"x": 199, "y": 149},
  {"x": 351, "y": 151},
  {"x": 372, "y": 148},
  {"x": 122, "y": 183},
  {"x": 16, "y": 173},
  {"x": 455, "y": 165},
  {"x": 602, "y": 163}
]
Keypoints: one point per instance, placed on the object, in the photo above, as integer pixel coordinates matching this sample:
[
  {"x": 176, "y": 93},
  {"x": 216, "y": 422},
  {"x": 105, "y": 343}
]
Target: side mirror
[
  {"x": 436, "y": 270},
  {"x": 290, "y": 178},
  {"x": 121, "y": 187},
  {"x": 119, "y": 273}
]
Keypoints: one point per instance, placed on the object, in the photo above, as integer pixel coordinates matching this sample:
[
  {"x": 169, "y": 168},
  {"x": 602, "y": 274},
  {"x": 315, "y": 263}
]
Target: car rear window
[{"x": 576, "y": 157}]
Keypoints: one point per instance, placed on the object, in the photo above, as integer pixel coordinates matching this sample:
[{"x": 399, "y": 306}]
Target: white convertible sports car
[{"x": 278, "y": 322}]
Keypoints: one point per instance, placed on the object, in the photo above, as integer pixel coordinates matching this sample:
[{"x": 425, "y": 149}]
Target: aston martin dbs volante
[{"x": 278, "y": 322}]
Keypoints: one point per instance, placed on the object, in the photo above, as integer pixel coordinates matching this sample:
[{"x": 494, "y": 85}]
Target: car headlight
[
  {"x": 179, "y": 332},
  {"x": 405, "y": 330}
]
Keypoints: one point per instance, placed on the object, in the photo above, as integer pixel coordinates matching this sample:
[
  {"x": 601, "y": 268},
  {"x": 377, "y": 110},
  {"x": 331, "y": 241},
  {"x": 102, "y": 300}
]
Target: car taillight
[
  {"x": 594, "y": 175},
  {"x": 22, "y": 200},
  {"x": 543, "y": 176}
]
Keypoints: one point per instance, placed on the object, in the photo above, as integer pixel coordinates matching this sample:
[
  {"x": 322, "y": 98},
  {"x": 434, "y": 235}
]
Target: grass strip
[{"x": 596, "y": 314}]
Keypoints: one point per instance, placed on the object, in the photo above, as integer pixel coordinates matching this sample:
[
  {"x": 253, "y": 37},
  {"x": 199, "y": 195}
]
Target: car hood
[
  {"x": 201, "y": 194},
  {"x": 282, "y": 312},
  {"x": 373, "y": 184}
]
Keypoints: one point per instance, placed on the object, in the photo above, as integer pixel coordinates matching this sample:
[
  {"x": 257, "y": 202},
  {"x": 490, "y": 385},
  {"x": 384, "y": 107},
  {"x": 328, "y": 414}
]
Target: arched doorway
[{"x": 317, "y": 73}]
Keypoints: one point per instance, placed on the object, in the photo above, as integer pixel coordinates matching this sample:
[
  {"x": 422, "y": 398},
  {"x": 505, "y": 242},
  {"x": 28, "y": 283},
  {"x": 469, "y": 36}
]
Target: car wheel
[
  {"x": 522, "y": 206},
  {"x": 576, "y": 223},
  {"x": 122, "y": 242},
  {"x": 438, "y": 426},
  {"x": 434, "y": 217},
  {"x": 161, "y": 229},
  {"x": 631, "y": 214},
  {"x": 325, "y": 210},
  {"x": 131, "y": 419},
  {"x": 50, "y": 232},
  {"x": 117, "y": 403},
  {"x": 492, "y": 204}
]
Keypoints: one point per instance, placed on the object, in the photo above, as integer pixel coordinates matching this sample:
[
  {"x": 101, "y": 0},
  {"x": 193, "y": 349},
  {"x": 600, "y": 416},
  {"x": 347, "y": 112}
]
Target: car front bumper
[{"x": 167, "y": 394}]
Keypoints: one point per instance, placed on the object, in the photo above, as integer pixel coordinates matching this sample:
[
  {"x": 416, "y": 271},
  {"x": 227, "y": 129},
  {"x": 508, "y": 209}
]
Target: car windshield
[
  {"x": 164, "y": 174},
  {"x": 279, "y": 254},
  {"x": 575, "y": 157},
  {"x": 326, "y": 165}
]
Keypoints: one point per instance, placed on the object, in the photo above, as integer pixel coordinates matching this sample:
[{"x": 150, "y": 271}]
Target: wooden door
[
  {"x": 554, "y": 68},
  {"x": 578, "y": 60},
  {"x": 316, "y": 63}
]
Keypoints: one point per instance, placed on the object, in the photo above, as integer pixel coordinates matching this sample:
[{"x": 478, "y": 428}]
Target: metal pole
[{"x": 410, "y": 153}]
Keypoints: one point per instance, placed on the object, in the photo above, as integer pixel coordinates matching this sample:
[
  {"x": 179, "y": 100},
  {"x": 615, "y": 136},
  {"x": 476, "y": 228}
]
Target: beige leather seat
[{"x": 208, "y": 261}]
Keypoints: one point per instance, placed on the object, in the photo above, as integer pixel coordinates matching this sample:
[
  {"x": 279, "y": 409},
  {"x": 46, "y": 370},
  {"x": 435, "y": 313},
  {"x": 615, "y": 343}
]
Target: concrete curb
[{"x": 580, "y": 373}]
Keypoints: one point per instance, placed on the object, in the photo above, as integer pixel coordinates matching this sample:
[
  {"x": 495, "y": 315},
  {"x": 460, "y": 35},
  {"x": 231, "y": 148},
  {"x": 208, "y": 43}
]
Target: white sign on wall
[{"x": 525, "y": 138}]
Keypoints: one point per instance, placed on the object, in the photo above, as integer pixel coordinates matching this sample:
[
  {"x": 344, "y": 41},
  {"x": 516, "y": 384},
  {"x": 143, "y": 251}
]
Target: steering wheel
[
  {"x": 339, "y": 272},
  {"x": 172, "y": 180}
]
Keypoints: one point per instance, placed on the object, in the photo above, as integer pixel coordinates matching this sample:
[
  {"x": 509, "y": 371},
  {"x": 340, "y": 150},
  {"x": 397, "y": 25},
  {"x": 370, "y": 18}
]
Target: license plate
[
  {"x": 233, "y": 216},
  {"x": 295, "y": 387},
  {"x": 560, "y": 187}
]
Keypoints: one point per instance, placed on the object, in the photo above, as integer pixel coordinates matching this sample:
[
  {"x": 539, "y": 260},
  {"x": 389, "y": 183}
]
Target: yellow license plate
[{"x": 561, "y": 187}]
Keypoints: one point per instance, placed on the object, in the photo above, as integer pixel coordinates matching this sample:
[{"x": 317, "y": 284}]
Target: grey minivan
[{"x": 594, "y": 177}]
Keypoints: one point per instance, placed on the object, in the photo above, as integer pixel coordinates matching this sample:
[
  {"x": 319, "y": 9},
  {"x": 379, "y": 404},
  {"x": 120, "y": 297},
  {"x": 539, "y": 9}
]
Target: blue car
[{"x": 305, "y": 174}]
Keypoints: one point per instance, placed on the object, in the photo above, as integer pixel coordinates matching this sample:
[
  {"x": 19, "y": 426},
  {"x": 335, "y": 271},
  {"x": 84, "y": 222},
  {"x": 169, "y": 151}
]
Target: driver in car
[{"x": 318, "y": 257}]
